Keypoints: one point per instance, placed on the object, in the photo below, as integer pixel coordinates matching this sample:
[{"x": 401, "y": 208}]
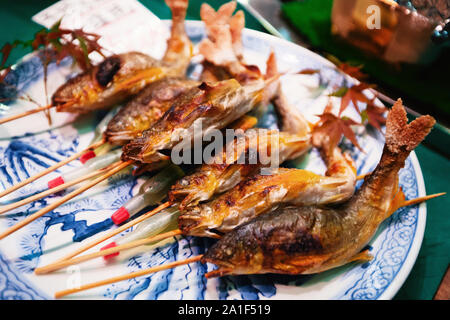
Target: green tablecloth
[{"x": 434, "y": 256}]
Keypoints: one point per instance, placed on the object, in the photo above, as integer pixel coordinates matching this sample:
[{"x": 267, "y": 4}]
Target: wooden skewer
[
  {"x": 40, "y": 213},
  {"x": 133, "y": 244},
  {"x": 24, "y": 114},
  {"x": 115, "y": 231},
  {"x": 54, "y": 190},
  {"x": 132, "y": 275},
  {"x": 51, "y": 169}
]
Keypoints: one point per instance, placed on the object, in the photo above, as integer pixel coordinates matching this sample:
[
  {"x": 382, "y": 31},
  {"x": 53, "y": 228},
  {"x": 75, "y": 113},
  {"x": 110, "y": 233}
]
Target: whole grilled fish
[
  {"x": 120, "y": 76},
  {"x": 311, "y": 239},
  {"x": 213, "y": 105}
]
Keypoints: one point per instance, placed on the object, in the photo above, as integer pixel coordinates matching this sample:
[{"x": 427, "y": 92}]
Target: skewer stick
[
  {"x": 133, "y": 244},
  {"x": 40, "y": 213},
  {"x": 132, "y": 275},
  {"x": 48, "y": 192},
  {"x": 51, "y": 169},
  {"x": 115, "y": 231},
  {"x": 24, "y": 114}
]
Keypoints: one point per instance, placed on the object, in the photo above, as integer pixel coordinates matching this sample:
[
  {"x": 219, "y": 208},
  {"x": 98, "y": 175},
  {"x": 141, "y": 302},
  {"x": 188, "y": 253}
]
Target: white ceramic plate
[{"x": 395, "y": 246}]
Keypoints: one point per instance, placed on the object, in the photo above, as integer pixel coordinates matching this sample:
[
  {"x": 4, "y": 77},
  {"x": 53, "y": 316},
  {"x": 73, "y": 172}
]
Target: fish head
[
  {"x": 234, "y": 254},
  {"x": 108, "y": 83}
]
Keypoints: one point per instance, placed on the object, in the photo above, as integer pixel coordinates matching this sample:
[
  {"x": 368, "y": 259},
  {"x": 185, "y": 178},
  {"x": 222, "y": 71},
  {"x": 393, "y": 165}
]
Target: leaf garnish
[
  {"x": 353, "y": 94},
  {"x": 353, "y": 71},
  {"x": 75, "y": 43},
  {"x": 374, "y": 115},
  {"x": 309, "y": 71},
  {"x": 334, "y": 128}
]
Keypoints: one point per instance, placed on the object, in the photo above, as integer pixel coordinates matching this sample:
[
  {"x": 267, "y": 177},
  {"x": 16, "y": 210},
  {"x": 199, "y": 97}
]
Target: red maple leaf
[
  {"x": 375, "y": 115},
  {"x": 308, "y": 71},
  {"x": 353, "y": 71},
  {"x": 331, "y": 128},
  {"x": 354, "y": 94}
]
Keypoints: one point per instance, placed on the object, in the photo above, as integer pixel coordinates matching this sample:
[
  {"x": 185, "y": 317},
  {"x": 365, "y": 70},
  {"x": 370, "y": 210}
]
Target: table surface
[{"x": 434, "y": 256}]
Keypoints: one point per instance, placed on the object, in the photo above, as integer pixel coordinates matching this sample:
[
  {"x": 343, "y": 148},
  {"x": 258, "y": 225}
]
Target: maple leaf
[
  {"x": 330, "y": 129},
  {"x": 353, "y": 71},
  {"x": 353, "y": 94},
  {"x": 308, "y": 71},
  {"x": 64, "y": 42},
  {"x": 374, "y": 115}
]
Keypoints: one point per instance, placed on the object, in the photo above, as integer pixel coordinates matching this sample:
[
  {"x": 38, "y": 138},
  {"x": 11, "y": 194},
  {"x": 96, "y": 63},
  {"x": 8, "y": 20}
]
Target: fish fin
[
  {"x": 405, "y": 203},
  {"x": 244, "y": 123},
  {"x": 396, "y": 203},
  {"x": 362, "y": 256}
]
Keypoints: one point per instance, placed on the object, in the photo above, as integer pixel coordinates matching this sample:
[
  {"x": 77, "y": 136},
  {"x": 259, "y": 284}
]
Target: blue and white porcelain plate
[{"x": 29, "y": 145}]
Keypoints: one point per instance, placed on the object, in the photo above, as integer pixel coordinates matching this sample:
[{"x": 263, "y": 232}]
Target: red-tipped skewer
[
  {"x": 118, "y": 167},
  {"x": 52, "y": 168},
  {"x": 24, "y": 114}
]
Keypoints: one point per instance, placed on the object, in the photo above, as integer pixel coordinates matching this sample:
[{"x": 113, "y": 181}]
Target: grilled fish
[
  {"x": 227, "y": 169},
  {"x": 213, "y": 105},
  {"x": 120, "y": 76},
  {"x": 146, "y": 109},
  {"x": 312, "y": 239}
]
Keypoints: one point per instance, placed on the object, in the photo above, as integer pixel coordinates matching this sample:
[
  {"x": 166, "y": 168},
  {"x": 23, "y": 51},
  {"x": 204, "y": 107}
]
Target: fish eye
[{"x": 107, "y": 70}]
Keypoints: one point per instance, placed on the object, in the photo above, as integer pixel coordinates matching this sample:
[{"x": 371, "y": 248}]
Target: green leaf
[{"x": 339, "y": 93}]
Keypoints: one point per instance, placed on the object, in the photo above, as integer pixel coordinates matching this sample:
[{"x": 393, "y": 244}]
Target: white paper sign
[{"x": 124, "y": 25}]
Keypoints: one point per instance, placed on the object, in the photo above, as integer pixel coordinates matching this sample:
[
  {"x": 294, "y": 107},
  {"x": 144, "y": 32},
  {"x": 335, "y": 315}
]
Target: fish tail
[
  {"x": 178, "y": 9},
  {"x": 401, "y": 137},
  {"x": 179, "y": 47},
  {"x": 381, "y": 186}
]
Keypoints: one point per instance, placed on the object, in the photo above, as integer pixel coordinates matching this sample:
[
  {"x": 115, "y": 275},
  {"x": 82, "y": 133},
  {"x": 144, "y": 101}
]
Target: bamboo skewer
[
  {"x": 51, "y": 169},
  {"x": 48, "y": 192},
  {"x": 65, "y": 263},
  {"x": 24, "y": 114},
  {"x": 115, "y": 231},
  {"x": 132, "y": 275},
  {"x": 40, "y": 213}
]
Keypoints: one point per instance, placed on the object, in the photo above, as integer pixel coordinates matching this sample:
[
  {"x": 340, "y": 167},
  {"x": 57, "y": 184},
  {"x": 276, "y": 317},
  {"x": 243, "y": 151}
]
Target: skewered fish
[
  {"x": 122, "y": 75},
  {"x": 214, "y": 105},
  {"x": 146, "y": 108},
  {"x": 227, "y": 169},
  {"x": 311, "y": 239}
]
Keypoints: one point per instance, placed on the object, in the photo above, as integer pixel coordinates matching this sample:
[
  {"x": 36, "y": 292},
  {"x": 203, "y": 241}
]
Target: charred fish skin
[
  {"x": 316, "y": 238},
  {"x": 120, "y": 76},
  {"x": 100, "y": 87},
  {"x": 145, "y": 109},
  {"x": 265, "y": 192},
  {"x": 215, "y": 105},
  {"x": 225, "y": 172},
  {"x": 288, "y": 241}
]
